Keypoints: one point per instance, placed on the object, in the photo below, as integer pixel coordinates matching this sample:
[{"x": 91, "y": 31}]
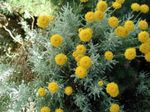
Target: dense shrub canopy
[{"x": 80, "y": 56}]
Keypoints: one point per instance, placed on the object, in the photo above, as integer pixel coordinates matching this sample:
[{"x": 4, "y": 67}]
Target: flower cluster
[
  {"x": 82, "y": 62},
  {"x": 142, "y": 8},
  {"x": 98, "y": 15},
  {"x": 118, "y": 4}
]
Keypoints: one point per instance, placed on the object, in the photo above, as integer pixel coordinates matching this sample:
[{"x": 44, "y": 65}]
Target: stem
[
  {"x": 11, "y": 35},
  {"x": 137, "y": 16}
]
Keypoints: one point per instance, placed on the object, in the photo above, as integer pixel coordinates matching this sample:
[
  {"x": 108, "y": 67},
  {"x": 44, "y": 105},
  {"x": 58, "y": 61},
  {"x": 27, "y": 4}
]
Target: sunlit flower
[
  {"x": 113, "y": 21},
  {"x": 130, "y": 53},
  {"x": 144, "y": 8},
  {"x": 43, "y": 21},
  {"x": 135, "y": 7},
  {"x": 45, "y": 109},
  {"x": 68, "y": 90},
  {"x": 53, "y": 87},
  {"x": 112, "y": 89},
  {"x": 41, "y": 91},
  {"x": 114, "y": 107},
  {"x": 89, "y": 17}
]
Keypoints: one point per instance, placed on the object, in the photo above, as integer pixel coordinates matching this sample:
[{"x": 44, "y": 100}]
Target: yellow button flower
[
  {"x": 83, "y": 1},
  {"x": 116, "y": 5},
  {"x": 145, "y": 48},
  {"x": 147, "y": 57},
  {"x": 85, "y": 62},
  {"x": 86, "y": 34},
  {"x": 143, "y": 25},
  {"x": 114, "y": 108},
  {"x": 45, "y": 109},
  {"x": 56, "y": 40},
  {"x": 108, "y": 55},
  {"x": 53, "y": 87},
  {"x": 144, "y": 8},
  {"x": 130, "y": 53},
  {"x": 43, "y": 21},
  {"x": 143, "y": 36},
  {"x": 135, "y": 7},
  {"x": 113, "y": 21},
  {"x": 59, "y": 110},
  {"x": 102, "y": 5},
  {"x": 89, "y": 17},
  {"x": 68, "y": 90},
  {"x": 78, "y": 57},
  {"x": 120, "y": 1},
  {"x": 41, "y": 92},
  {"x": 75, "y": 54},
  {"x": 81, "y": 49},
  {"x": 112, "y": 89},
  {"x": 100, "y": 83},
  {"x": 129, "y": 25},
  {"x": 80, "y": 72},
  {"x": 60, "y": 59},
  {"x": 98, "y": 15},
  {"x": 121, "y": 31}
]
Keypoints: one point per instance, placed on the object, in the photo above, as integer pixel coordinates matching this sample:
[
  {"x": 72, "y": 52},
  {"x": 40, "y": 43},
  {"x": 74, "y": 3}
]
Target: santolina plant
[
  {"x": 80, "y": 56},
  {"x": 74, "y": 57}
]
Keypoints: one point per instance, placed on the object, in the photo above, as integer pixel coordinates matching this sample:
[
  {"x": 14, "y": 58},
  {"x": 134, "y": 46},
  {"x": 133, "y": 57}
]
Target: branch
[{"x": 11, "y": 35}]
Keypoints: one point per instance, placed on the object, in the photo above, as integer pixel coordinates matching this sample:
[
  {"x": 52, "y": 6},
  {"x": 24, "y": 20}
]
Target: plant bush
[{"x": 86, "y": 63}]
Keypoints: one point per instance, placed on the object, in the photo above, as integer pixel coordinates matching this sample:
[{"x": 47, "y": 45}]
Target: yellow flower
[
  {"x": 143, "y": 25},
  {"x": 145, "y": 48},
  {"x": 80, "y": 72},
  {"x": 56, "y": 40},
  {"x": 98, "y": 15},
  {"x": 135, "y": 7},
  {"x": 43, "y": 21},
  {"x": 68, "y": 90},
  {"x": 45, "y": 109},
  {"x": 120, "y": 1},
  {"x": 147, "y": 57},
  {"x": 83, "y": 1},
  {"x": 89, "y": 17},
  {"x": 78, "y": 57},
  {"x": 114, "y": 108},
  {"x": 121, "y": 31},
  {"x": 144, "y": 8},
  {"x": 41, "y": 91},
  {"x": 85, "y": 62},
  {"x": 108, "y": 55},
  {"x": 78, "y": 54},
  {"x": 59, "y": 110},
  {"x": 112, "y": 89},
  {"x": 143, "y": 36},
  {"x": 130, "y": 53},
  {"x": 61, "y": 59},
  {"x": 86, "y": 34},
  {"x": 116, "y": 5},
  {"x": 75, "y": 54},
  {"x": 102, "y": 5},
  {"x": 81, "y": 49},
  {"x": 129, "y": 25},
  {"x": 113, "y": 22},
  {"x": 100, "y": 83},
  {"x": 53, "y": 87}
]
